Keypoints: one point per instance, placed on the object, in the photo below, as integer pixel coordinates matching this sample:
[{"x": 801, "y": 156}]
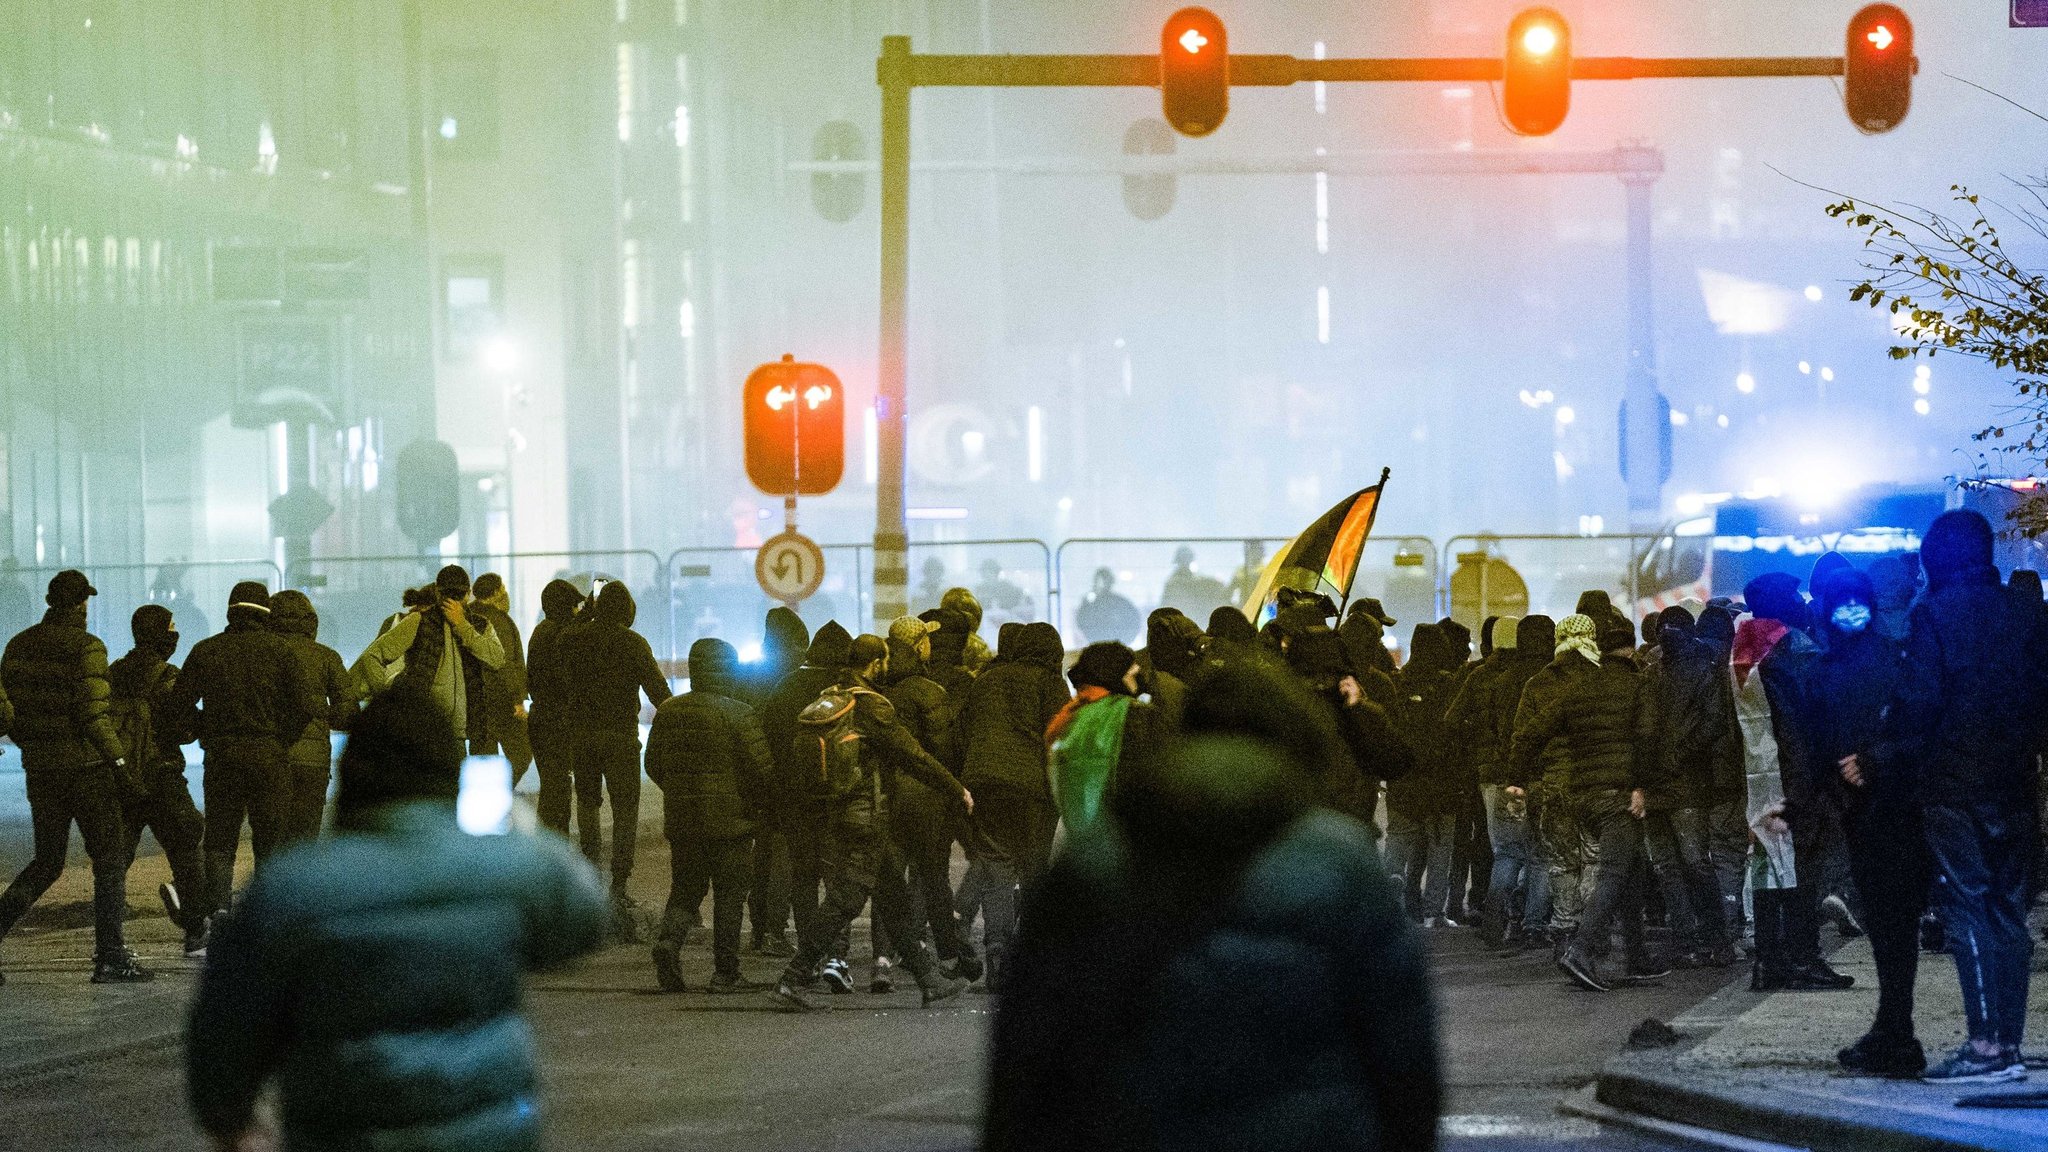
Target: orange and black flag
[{"x": 1322, "y": 559}]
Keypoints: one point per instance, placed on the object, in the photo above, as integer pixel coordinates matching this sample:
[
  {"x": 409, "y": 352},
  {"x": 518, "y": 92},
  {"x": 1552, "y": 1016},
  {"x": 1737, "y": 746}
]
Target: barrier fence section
[
  {"x": 716, "y": 595},
  {"x": 195, "y": 591},
  {"x": 1200, "y": 574},
  {"x": 1502, "y": 574},
  {"x": 355, "y": 594},
  {"x": 1012, "y": 579}
]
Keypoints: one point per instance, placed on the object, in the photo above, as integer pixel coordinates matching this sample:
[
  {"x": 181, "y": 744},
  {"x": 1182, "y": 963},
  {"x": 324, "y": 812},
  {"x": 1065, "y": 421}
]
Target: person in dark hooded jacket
[
  {"x": 801, "y": 815},
  {"x": 140, "y": 686},
  {"x": 1851, "y": 688},
  {"x": 612, "y": 666},
  {"x": 1002, "y": 727},
  {"x": 1216, "y": 880},
  {"x": 1172, "y": 659},
  {"x": 1966, "y": 723},
  {"x": 923, "y": 824},
  {"x": 548, "y": 679},
  {"x": 243, "y": 695},
  {"x": 1693, "y": 765},
  {"x": 1421, "y": 806},
  {"x": 330, "y": 705},
  {"x": 784, "y": 643},
  {"x": 707, "y": 755},
  {"x": 1369, "y": 751},
  {"x": 948, "y": 664}
]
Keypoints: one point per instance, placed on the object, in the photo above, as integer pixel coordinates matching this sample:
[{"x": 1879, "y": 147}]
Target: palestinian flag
[{"x": 1322, "y": 559}]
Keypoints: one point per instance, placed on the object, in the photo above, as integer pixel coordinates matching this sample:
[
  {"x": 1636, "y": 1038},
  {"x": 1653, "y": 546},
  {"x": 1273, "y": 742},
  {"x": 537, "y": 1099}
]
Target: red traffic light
[
  {"x": 1878, "y": 86},
  {"x": 1537, "y": 89},
  {"x": 1194, "y": 71},
  {"x": 795, "y": 417}
]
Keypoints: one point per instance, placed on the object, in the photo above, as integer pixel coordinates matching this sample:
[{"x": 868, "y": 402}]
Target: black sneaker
[
  {"x": 883, "y": 981},
  {"x": 788, "y": 998},
  {"x": 944, "y": 988},
  {"x": 119, "y": 967},
  {"x": 1581, "y": 970},
  {"x": 668, "y": 966},
  {"x": 1643, "y": 971},
  {"x": 1892, "y": 1058},
  {"x": 969, "y": 968},
  {"x": 1837, "y": 911},
  {"x": 1969, "y": 1066},
  {"x": 837, "y": 977},
  {"x": 195, "y": 941},
  {"x": 1817, "y": 977}
]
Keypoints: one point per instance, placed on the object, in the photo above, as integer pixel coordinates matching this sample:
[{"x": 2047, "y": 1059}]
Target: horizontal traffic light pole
[
  {"x": 1625, "y": 160},
  {"x": 937, "y": 71}
]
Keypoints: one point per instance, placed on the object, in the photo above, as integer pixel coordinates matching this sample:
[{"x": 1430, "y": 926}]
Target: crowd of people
[{"x": 1210, "y": 806}]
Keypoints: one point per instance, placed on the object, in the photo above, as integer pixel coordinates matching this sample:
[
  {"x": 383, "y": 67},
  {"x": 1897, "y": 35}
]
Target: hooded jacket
[
  {"x": 707, "y": 752},
  {"x": 610, "y": 665},
  {"x": 1470, "y": 715},
  {"x": 244, "y": 684},
  {"x": 1966, "y": 720},
  {"x": 505, "y": 687},
  {"x": 330, "y": 692},
  {"x": 55, "y": 674},
  {"x": 1697, "y": 758},
  {"x": 1853, "y": 684},
  {"x": 822, "y": 668},
  {"x": 784, "y": 643},
  {"x": 1007, "y": 711},
  {"x": 1215, "y": 881},
  {"x": 924, "y": 707},
  {"x": 1426, "y": 685},
  {"x": 548, "y": 676}
]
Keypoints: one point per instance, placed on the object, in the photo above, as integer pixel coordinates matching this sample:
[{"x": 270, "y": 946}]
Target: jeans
[
  {"x": 307, "y": 805},
  {"x": 244, "y": 780},
  {"x": 1419, "y": 849},
  {"x": 608, "y": 762},
  {"x": 722, "y": 866},
  {"x": 58, "y": 796},
  {"x": 1614, "y": 840},
  {"x": 859, "y": 865},
  {"x": 1678, "y": 843},
  {"x": 1984, "y": 853},
  {"x": 1009, "y": 832},
  {"x": 922, "y": 823},
  {"x": 768, "y": 895},
  {"x": 1519, "y": 886}
]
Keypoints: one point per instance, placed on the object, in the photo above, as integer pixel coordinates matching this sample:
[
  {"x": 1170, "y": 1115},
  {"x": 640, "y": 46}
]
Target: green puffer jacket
[
  {"x": 1599, "y": 712},
  {"x": 377, "y": 977},
  {"x": 56, "y": 677}
]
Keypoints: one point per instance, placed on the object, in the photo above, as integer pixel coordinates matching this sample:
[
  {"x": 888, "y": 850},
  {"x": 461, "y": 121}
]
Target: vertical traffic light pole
[
  {"x": 892, "y": 535},
  {"x": 1643, "y": 436}
]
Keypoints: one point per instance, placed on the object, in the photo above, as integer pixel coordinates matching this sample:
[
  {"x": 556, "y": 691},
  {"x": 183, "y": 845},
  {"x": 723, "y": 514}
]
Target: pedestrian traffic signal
[
  {"x": 1536, "y": 91},
  {"x": 1194, "y": 71},
  {"x": 795, "y": 417},
  {"x": 428, "y": 491},
  {"x": 1149, "y": 197},
  {"x": 1878, "y": 87}
]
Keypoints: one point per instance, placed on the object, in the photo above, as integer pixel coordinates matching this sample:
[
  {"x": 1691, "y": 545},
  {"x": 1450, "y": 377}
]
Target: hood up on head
[
  {"x": 1232, "y": 626},
  {"x": 292, "y": 613},
  {"x": 560, "y": 601},
  {"x": 714, "y": 667},
  {"x": 1958, "y": 547},
  {"x": 1104, "y": 666},
  {"x": 1039, "y": 643},
  {"x": 784, "y": 639},
  {"x": 1175, "y": 643},
  {"x": 1536, "y": 638},
  {"x": 830, "y": 647},
  {"x": 1775, "y": 596},
  {"x": 154, "y": 631},
  {"x": 615, "y": 605}
]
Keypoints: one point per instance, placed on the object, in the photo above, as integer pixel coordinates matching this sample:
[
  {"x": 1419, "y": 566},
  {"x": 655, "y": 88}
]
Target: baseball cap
[
  {"x": 909, "y": 631},
  {"x": 69, "y": 587}
]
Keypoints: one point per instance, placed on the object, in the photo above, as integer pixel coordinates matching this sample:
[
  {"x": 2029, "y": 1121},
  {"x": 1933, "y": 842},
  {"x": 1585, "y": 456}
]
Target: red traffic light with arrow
[
  {"x": 795, "y": 417},
  {"x": 1878, "y": 68},
  {"x": 1194, "y": 71}
]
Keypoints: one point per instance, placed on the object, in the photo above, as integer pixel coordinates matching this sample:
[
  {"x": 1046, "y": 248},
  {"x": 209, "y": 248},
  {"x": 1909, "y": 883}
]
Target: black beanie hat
[
  {"x": 1103, "y": 666},
  {"x": 1775, "y": 596},
  {"x": 151, "y": 627},
  {"x": 250, "y": 593}
]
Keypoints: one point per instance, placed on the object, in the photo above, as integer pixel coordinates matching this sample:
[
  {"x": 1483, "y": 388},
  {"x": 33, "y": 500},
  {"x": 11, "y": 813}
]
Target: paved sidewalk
[{"x": 1763, "y": 1067}]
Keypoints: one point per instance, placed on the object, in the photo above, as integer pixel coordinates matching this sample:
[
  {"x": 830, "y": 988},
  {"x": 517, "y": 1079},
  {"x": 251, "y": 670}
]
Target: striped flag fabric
[{"x": 1324, "y": 558}]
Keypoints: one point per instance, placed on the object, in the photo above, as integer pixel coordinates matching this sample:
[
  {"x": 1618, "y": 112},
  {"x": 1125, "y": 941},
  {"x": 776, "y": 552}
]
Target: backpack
[
  {"x": 135, "y": 727},
  {"x": 829, "y": 752}
]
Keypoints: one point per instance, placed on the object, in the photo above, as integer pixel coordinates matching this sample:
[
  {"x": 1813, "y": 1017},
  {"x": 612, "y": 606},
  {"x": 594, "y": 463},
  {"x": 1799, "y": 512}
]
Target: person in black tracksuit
[
  {"x": 1851, "y": 688},
  {"x": 707, "y": 754},
  {"x": 141, "y": 684},
  {"x": 800, "y": 814},
  {"x": 612, "y": 666},
  {"x": 505, "y": 688},
  {"x": 56, "y": 682},
  {"x": 242, "y": 694},
  {"x": 330, "y": 706},
  {"x": 855, "y": 843},
  {"x": 1966, "y": 724},
  {"x": 1002, "y": 725},
  {"x": 548, "y": 679}
]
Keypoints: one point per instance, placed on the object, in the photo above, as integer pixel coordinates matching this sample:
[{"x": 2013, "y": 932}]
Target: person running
[{"x": 142, "y": 683}]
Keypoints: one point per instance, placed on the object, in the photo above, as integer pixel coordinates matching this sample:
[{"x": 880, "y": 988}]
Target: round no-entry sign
[{"x": 790, "y": 567}]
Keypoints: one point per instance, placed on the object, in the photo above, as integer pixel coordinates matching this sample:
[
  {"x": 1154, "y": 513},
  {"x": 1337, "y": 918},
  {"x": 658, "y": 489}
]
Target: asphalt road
[{"x": 630, "y": 1069}]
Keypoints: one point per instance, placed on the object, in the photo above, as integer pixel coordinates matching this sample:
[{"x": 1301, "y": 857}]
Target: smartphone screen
[{"x": 483, "y": 806}]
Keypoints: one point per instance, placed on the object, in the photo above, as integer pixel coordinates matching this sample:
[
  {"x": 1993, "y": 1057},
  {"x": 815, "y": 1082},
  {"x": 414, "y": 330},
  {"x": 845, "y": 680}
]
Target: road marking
[{"x": 1517, "y": 1127}]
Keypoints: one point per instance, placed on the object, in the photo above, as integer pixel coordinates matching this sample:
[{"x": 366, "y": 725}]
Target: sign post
[{"x": 795, "y": 417}]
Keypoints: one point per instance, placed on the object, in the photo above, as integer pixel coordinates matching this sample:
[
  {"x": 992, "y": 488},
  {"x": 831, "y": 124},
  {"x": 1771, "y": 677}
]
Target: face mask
[{"x": 1852, "y": 617}]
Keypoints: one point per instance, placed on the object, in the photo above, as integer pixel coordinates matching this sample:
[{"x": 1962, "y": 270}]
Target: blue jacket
[{"x": 377, "y": 976}]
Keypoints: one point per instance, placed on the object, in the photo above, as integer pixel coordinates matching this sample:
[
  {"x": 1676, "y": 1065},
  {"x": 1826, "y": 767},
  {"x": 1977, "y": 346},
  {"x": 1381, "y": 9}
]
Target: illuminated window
[{"x": 473, "y": 303}]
